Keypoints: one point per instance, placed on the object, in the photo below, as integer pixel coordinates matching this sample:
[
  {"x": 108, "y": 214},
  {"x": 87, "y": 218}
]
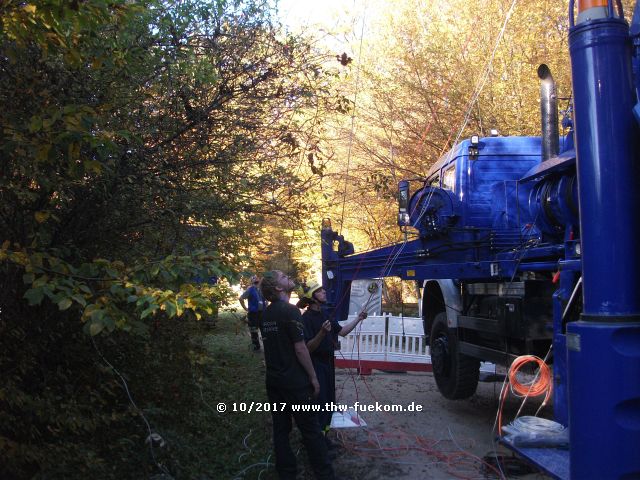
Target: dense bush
[{"x": 140, "y": 144}]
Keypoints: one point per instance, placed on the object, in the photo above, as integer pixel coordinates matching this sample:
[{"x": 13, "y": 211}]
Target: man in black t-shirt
[
  {"x": 290, "y": 379},
  {"x": 321, "y": 334}
]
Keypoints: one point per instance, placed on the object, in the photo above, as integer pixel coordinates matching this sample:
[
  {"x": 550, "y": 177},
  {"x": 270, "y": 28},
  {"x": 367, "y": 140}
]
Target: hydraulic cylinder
[{"x": 604, "y": 346}]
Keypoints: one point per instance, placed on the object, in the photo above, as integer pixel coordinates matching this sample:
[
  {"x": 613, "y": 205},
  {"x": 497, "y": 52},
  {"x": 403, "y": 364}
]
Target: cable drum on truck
[
  {"x": 433, "y": 211},
  {"x": 456, "y": 374}
]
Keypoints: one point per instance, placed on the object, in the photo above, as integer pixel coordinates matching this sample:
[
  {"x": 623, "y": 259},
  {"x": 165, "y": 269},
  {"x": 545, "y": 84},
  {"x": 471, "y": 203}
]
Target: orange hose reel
[{"x": 541, "y": 384}]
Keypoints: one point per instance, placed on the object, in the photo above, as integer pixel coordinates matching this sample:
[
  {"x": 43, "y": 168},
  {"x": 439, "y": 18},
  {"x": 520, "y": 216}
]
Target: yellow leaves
[
  {"x": 3, "y": 250},
  {"x": 41, "y": 217},
  {"x": 74, "y": 151},
  {"x": 30, "y": 8},
  {"x": 101, "y": 292},
  {"x": 92, "y": 166},
  {"x": 96, "y": 63},
  {"x": 42, "y": 153},
  {"x": 21, "y": 258},
  {"x": 103, "y": 300},
  {"x": 55, "y": 38},
  {"x": 188, "y": 303}
]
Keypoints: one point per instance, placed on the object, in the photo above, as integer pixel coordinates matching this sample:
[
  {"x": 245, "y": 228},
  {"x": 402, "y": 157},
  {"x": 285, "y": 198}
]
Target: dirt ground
[{"x": 447, "y": 439}]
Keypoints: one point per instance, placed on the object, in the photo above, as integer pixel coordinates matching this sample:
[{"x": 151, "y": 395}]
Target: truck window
[{"x": 449, "y": 178}]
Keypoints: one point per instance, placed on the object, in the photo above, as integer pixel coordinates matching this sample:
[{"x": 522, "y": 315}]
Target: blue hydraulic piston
[
  {"x": 635, "y": 37},
  {"x": 604, "y": 347},
  {"x": 607, "y": 146}
]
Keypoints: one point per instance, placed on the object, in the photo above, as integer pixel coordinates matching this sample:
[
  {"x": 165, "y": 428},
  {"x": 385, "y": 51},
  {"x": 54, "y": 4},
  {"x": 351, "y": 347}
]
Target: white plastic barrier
[
  {"x": 389, "y": 338},
  {"x": 365, "y": 342},
  {"x": 405, "y": 340}
]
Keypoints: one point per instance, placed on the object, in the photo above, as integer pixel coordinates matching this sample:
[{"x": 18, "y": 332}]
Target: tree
[
  {"x": 138, "y": 141},
  {"x": 129, "y": 127},
  {"x": 428, "y": 74}
]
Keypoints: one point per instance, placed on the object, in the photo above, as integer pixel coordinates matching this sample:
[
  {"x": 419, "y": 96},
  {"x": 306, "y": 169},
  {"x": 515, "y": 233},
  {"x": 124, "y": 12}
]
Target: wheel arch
[{"x": 442, "y": 295}]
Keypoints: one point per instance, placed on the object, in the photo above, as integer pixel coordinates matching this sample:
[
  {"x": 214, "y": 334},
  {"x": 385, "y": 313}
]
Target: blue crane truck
[{"x": 530, "y": 245}]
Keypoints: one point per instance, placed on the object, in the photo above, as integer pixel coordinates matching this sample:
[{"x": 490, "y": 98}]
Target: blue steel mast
[{"x": 604, "y": 346}]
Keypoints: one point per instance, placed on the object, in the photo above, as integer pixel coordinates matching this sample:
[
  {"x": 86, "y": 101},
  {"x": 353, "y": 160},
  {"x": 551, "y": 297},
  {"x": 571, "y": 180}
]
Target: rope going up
[{"x": 353, "y": 119}]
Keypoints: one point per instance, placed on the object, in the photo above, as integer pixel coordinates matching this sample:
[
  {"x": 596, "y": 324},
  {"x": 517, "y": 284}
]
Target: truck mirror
[{"x": 403, "y": 203}]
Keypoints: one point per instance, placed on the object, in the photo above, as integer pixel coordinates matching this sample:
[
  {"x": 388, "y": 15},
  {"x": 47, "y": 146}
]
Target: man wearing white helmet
[{"x": 321, "y": 335}]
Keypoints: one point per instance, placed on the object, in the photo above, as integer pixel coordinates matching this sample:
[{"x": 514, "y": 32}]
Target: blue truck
[{"x": 529, "y": 246}]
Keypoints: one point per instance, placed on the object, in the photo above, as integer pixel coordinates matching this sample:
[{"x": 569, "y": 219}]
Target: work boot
[{"x": 255, "y": 340}]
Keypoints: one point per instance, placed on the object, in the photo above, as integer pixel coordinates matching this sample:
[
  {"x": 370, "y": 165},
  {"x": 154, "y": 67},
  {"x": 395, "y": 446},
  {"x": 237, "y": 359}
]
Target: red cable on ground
[
  {"x": 457, "y": 462},
  {"x": 542, "y": 383}
]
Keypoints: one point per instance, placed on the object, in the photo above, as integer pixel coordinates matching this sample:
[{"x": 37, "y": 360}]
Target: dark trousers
[
  {"x": 307, "y": 423},
  {"x": 326, "y": 373},
  {"x": 253, "y": 319}
]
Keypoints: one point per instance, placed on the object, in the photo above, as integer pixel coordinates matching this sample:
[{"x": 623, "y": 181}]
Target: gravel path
[{"x": 445, "y": 440}]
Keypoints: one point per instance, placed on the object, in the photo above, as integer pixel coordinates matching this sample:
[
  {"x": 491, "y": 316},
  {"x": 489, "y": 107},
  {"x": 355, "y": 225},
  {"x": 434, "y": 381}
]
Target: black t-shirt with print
[
  {"x": 312, "y": 321},
  {"x": 280, "y": 329}
]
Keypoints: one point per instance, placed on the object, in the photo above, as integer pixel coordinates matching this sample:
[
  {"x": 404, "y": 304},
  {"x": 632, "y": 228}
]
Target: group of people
[{"x": 299, "y": 358}]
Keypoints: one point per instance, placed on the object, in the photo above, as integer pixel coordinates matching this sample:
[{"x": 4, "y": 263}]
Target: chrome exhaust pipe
[{"x": 548, "y": 113}]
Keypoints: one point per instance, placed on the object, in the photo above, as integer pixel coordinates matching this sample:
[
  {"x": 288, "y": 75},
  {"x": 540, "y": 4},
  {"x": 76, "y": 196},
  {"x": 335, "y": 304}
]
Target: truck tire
[{"x": 456, "y": 374}]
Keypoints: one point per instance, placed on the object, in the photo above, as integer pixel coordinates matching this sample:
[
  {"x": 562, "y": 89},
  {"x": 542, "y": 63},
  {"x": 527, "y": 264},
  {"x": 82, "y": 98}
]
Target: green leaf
[
  {"x": 144, "y": 299},
  {"x": 95, "y": 328},
  {"x": 36, "y": 124},
  {"x": 34, "y": 296},
  {"x": 28, "y": 278},
  {"x": 148, "y": 311},
  {"x": 80, "y": 299},
  {"x": 109, "y": 323},
  {"x": 65, "y": 303},
  {"x": 170, "y": 308},
  {"x": 96, "y": 315},
  {"x": 41, "y": 281}
]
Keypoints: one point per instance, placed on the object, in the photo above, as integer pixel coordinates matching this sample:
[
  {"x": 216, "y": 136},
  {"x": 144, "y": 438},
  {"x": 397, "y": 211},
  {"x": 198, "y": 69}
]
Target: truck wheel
[{"x": 456, "y": 374}]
